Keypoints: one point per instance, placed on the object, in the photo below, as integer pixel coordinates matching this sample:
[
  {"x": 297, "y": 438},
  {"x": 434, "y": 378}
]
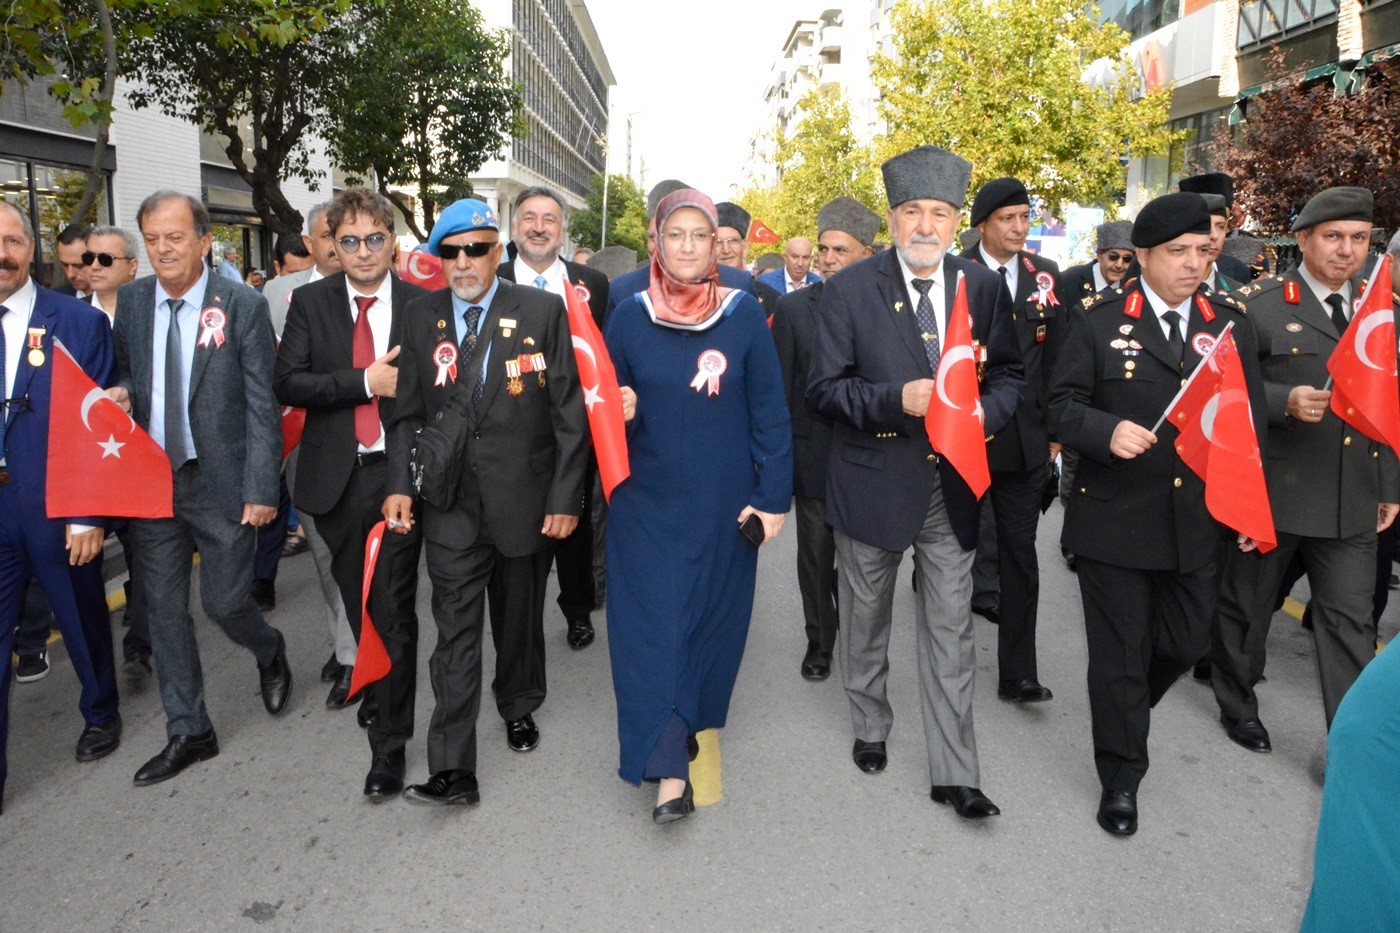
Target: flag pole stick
[{"x": 1189, "y": 379}]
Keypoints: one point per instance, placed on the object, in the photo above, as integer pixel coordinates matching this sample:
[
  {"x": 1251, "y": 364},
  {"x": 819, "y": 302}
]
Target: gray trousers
[
  {"x": 163, "y": 549},
  {"x": 866, "y": 578},
  {"x": 342, "y": 636}
]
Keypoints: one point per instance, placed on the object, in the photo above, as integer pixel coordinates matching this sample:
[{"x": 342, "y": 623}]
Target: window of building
[
  {"x": 48, "y": 195},
  {"x": 1269, "y": 20},
  {"x": 1140, "y": 17},
  {"x": 1191, "y": 156}
]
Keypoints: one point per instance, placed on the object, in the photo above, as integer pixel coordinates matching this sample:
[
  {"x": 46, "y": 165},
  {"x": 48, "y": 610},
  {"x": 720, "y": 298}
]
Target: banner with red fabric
[
  {"x": 419, "y": 268},
  {"x": 760, "y": 232},
  {"x": 1363, "y": 366},
  {"x": 954, "y": 418},
  {"x": 601, "y": 394},
  {"x": 371, "y": 658}
]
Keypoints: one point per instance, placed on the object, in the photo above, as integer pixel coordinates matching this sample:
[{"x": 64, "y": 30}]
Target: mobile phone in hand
[{"x": 752, "y": 529}]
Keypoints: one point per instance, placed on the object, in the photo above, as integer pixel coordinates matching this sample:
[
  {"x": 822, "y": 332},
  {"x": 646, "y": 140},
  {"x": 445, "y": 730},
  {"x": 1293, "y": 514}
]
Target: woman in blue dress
[{"x": 709, "y": 443}]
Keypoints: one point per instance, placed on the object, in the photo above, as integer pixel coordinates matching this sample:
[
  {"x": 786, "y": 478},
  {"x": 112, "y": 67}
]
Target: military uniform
[{"x": 1325, "y": 481}]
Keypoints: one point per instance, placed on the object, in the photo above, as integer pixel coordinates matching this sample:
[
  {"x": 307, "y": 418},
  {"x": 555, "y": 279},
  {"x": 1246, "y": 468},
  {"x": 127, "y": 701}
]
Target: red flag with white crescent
[
  {"x": 100, "y": 462},
  {"x": 371, "y": 658},
  {"x": 601, "y": 395},
  {"x": 1363, "y": 366},
  {"x": 954, "y": 418},
  {"x": 760, "y": 232},
  {"x": 417, "y": 267},
  {"x": 1216, "y": 439}
]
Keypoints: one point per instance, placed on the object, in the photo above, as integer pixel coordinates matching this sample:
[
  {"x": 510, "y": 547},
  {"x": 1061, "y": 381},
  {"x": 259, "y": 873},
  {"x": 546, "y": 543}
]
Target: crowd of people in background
[{"x": 746, "y": 393}]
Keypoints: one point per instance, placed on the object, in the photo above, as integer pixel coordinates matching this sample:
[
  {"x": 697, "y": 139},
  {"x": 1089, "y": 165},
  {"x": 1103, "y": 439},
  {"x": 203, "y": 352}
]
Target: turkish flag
[
  {"x": 100, "y": 462},
  {"x": 760, "y": 232},
  {"x": 293, "y": 423},
  {"x": 1216, "y": 439},
  {"x": 954, "y": 418},
  {"x": 421, "y": 268},
  {"x": 601, "y": 395},
  {"x": 1364, "y": 391},
  {"x": 371, "y": 658}
]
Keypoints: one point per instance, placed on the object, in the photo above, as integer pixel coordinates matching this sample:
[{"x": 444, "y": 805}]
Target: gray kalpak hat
[
  {"x": 969, "y": 238},
  {"x": 1216, "y": 203},
  {"x": 1163, "y": 219},
  {"x": 659, "y": 191},
  {"x": 614, "y": 260},
  {"x": 849, "y": 216},
  {"x": 1244, "y": 248},
  {"x": 1116, "y": 234},
  {"x": 1336, "y": 204},
  {"x": 927, "y": 172},
  {"x": 732, "y": 215}
]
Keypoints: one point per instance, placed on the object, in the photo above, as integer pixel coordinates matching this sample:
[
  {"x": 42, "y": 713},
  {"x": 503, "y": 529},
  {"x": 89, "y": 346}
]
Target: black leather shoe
[
  {"x": 522, "y": 735},
  {"x": 340, "y": 689},
  {"x": 580, "y": 633},
  {"x": 385, "y": 778},
  {"x": 330, "y": 670},
  {"x": 1202, "y": 670},
  {"x": 275, "y": 680},
  {"x": 368, "y": 713},
  {"x": 179, "y": 753},
  {"x": 1118, "y": 812},
  {"x": 1069, "y": 560},
  {"x": 991, "y": 613},
  {"x": 446, "y": 788},
  {"x": 869, "y": 756},
  {"x": 676, "y": 809},
  {"x": 692, "y": 747},
  {"x": 265, "y": 595},
  {"x": 816, "y": 665},
  {"x": 969, "y": 802},
  {"x": 99, "y": 741},
  {"x": 1023, "y": 691},
  {"x": 1249, "y": 733}
]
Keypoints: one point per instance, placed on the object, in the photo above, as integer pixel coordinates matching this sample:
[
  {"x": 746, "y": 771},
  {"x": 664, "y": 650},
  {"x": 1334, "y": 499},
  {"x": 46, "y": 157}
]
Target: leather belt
[{"x": 376, "y": 456}]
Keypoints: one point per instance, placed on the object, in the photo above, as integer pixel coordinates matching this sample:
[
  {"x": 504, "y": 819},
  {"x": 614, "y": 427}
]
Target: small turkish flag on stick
[
  {"x": 371, "y": 658},
  {"x": 100, "y": 462},
  {"x": 954, "y": 418},
  {"x": 419, "y": 268},
  {"x": 601, "y": 394},
  {"x": 760, "y": 232},
  {"x": 1364, "y": 392}
]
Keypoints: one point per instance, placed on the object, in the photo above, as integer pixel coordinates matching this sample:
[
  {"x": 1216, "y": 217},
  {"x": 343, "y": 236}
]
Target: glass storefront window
[
  {"x": 48, "y": 195},
  {"x": 1140, "y": 17}
]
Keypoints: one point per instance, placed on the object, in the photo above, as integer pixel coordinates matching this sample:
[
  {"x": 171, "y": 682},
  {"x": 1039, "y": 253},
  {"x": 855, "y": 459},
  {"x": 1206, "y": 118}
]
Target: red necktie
[{"x": 367, "y": 428}]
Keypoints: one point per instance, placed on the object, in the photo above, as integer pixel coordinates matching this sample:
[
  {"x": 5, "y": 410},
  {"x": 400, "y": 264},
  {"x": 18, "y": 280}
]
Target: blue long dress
[{"x": 680, "y": 576}]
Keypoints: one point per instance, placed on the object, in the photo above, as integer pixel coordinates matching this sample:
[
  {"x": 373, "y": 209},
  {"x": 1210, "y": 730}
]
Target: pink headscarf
[{"x": 673, "y": 299}]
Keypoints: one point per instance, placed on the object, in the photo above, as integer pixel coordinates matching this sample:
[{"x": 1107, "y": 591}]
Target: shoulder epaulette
[{"x": 1261, "y": 286}]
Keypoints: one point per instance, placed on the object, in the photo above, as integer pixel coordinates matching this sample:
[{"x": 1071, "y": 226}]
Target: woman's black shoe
[{"x": 676, "y": 809}]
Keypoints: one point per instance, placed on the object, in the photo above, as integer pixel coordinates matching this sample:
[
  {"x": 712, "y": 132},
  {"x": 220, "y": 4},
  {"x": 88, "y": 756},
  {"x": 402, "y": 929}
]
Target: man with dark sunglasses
[
  {"x": 110, "y": 260},
  {"x": 1113, "y": 253}
]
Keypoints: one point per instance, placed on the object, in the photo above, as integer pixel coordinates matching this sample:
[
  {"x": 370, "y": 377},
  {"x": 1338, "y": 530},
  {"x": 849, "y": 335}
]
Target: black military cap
[
  {"x": 1163, "y": 219},
  {"x": 732, "y": 215},
  {"x": 927, "y": 172},
  {"x": 1211, "y": 183},
  {"x": 996, "y": 194},
  {"x": 1336, "y": 204},
  {"x": 1216, "y": 203}
]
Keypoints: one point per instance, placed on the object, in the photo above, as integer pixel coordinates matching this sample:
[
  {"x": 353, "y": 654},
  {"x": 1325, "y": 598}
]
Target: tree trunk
[{"x": 93, "y": 186}]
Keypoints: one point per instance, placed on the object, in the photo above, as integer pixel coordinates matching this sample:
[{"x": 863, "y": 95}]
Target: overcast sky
[{"x": 696, "y": 72}]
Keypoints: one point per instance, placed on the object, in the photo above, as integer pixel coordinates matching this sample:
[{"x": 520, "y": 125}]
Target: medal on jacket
[
  {"x": 36, "y": 346},
  {"x": 1045, "y": 289},
  {"x": 979, "y": 353},
  {"x": 211, "y": 322},
  {"x": 709, "y": 368},
  {"x": 513, "y": 384},
  {"x": 445, "y": 356},
  {"x": 532, "y": 363}
]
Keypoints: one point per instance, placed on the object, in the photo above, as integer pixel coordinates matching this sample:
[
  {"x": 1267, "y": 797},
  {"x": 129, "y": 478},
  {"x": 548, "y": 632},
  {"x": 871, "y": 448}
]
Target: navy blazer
[
  {"x": 880, "y": 475},
  {"x": 83, "y": 329},
  {"x": 777, "y": 280}
]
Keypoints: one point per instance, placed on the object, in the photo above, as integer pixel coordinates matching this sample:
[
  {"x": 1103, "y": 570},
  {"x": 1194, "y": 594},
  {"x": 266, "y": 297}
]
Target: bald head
[{"x": 797, "y": 258}]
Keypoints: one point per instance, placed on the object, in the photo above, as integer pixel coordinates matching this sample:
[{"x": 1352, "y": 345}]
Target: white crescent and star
[
  {"x": 413, "y": 265},
  {"x": 1364, "y": 327},
  {"x": 591, "y": 394},
  {"x": 954, "y": 356},
  {"x": 94, "y": 396},
  {"x": 111, "y": 447}
]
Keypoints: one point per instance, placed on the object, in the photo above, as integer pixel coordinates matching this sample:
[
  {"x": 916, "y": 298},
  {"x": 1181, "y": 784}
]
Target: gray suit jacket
[
  {"x": 234, "y": 417},
  {"x": 278, "y": 293}
]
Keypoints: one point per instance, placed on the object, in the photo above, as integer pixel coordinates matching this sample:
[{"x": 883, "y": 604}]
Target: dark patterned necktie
[
  {"x": 1339, "y": 313},
  {"x": 1176, "y": 344},
  {"x": 175, "y": 412},
  {"x": 468, "y": 346},
  {"x": 923, "y": 313}
]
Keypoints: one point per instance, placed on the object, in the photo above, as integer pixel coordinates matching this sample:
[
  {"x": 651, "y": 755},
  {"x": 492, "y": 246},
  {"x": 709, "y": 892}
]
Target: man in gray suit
[
  {"x": 194, "y": 368},
  {"x": 1331, "y": 488}
]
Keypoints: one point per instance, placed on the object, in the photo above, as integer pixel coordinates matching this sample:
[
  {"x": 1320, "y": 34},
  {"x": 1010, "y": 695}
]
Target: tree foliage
[
  {"x": 627, "y": 216},
  {"x": 1001, "y": 83},
  {"x": 820, "y": 160},
  {"x": 424, "y": 103},
  {"x": 267, "y": 68},
  {"x": 1299, "y": 138}
]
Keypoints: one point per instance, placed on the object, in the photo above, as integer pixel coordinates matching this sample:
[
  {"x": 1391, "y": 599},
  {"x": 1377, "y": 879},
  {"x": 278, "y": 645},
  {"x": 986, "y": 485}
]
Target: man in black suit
[
  {"x": 194, "y": 365},
  {"x": 732, "y": 247},
  {"x": 1219, "y": 191},
  {"x": 881, "y": 325},
  {"x": 502, "y": 355},
  {"x": 1113, "y": 253},
  {"x": 1006, "y": 575},
  {"x": 846, "y": 230},
  {"x": 1137, "y": 521},
  {"x": 337, "y": 360},
  {"x": 68, "y": 249},
  {"x": 538, "y": 227}
]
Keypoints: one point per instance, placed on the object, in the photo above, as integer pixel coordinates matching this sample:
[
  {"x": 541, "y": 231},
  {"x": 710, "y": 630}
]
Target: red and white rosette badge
[
  {"x": 211, "y": 323},
  {"x": 1045, "y": 289},
  {"x": 710, "y": 367},
  {"x": 445, "y": 356}
]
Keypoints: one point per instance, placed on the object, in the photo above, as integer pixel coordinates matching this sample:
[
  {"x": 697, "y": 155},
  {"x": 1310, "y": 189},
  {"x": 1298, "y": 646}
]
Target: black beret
[
  {"x": 1211, "y": 183},
  {"x": 996, "y": 194},
  {"x": 1163, "y": 219},
  {"x": 1336, "y": 204},
  {"x": 1216, "y": 203},
  {"x": 732, "y": 215}
]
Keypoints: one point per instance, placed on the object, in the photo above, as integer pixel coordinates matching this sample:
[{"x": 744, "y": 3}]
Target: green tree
[
  {"x": 820, "y": 160},
  {"x": 260, "y": 74},
  {"x": 424, "y": 103},
  {"x": 627, "y": 216},
  {"x": 1001, "y": 83}
]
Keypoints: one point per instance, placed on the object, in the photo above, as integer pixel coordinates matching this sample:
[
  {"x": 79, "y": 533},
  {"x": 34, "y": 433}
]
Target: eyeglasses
[
  {"x": 728, "y": 242},
  {"x": 351, "y": 244},
  {"x": 1118, "y": 258},
  {"x": 104, "y": 260},
  {"x": 448, "y": 252},
  {"x": 698, "y": 237}
]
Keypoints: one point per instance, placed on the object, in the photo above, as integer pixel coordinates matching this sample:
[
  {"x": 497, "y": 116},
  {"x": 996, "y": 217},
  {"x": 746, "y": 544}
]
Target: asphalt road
[{"x": 273, "y": 833}]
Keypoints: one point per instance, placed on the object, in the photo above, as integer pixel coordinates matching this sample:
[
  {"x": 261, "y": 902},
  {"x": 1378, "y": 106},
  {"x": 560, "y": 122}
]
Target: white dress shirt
[
  {"x": 381, "y": 316},
  {"x": 1011, "y": 265},
  {"x": 1160, "y": 308},
  {"x": 936, "y": 296},
  {"x": 555, "y": 277},
  {"x": 20, "y": 306},
  {"x": 1323, "y": 292}
]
